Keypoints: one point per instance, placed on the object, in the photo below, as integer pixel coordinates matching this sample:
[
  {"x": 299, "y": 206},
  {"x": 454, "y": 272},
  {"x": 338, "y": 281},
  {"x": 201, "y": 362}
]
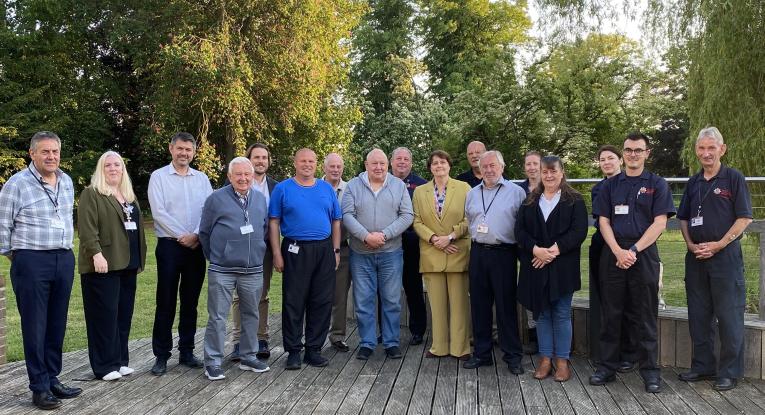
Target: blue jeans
[
  {"x": 373, "y": 273},
  {"x": 554, "y": 329}
]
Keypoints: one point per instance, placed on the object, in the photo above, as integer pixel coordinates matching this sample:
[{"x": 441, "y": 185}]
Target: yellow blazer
[{"x": 427, "y": 223}]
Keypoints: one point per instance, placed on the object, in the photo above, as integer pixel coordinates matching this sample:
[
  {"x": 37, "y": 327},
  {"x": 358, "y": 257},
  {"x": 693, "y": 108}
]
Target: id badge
[
  {"x": 130, "y": 225},
  {"x": 621, "y": 209},
  {"x": 697, "y": 221},
  {"x": 245, "y": 229},
  {"x": 57, "y": 224},
  {"x": 482, "y": 228},
  {"x": 293, "y": 248}
]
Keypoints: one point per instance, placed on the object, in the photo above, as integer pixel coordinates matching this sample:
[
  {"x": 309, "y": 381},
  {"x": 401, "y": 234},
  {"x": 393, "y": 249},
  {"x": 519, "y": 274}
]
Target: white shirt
[
  {"x": 176, "y": 201},
  {"x": 547, "y": 206},
  {"x": 262, "y": 188}
]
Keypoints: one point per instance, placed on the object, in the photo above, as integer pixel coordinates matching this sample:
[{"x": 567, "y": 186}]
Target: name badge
[
  {"x": 293, "y": 248},
  {"x": 130, "y": 225},
  {"x": 482, "y": 228},
  {"x": 57, "y": 224},
  {"x": 245, "y": 229},
  {"x": 621, "y": 209},
  {"x": 697, "y": 221}
]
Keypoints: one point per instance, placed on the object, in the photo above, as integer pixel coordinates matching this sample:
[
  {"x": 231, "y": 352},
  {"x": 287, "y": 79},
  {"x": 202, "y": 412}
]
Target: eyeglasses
[{"x": 635, "y": 151}]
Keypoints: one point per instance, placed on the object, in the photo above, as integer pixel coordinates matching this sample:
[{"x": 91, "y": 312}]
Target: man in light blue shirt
[{"x": 176, "y": 195}]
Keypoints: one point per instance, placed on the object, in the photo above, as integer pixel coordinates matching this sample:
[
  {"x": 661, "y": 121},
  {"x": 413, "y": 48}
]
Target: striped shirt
[{"x": 35, "y": 215}]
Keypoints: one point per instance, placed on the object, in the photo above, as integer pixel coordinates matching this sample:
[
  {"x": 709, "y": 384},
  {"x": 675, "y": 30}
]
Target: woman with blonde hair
[{"x": 112, "y": 252}]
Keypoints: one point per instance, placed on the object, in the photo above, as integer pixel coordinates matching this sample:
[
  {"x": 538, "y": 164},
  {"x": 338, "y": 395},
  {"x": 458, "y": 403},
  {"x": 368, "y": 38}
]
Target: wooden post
[{"x": 762, "y": 276}]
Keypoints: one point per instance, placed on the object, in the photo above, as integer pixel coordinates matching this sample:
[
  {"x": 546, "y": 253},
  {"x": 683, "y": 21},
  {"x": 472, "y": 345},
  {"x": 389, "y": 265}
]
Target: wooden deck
[{"x": 413, "y": 385}]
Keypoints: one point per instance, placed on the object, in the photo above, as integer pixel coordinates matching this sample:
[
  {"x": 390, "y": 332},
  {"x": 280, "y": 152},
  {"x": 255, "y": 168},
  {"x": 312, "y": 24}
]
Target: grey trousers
[{"x": 220, "y": 287}]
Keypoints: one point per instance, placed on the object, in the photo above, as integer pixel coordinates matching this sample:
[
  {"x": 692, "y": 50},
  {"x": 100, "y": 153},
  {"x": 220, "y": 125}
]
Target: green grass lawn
[
  {"x": 143, "y": 316},
  {"x": 671, "y": 248}
]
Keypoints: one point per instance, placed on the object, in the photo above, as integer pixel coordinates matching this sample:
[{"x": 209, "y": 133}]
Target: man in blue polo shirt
[
  {"x": 632, "y": 211},
  {"x": 714, "y": 212},
  {"x": 306, "y": 212}
]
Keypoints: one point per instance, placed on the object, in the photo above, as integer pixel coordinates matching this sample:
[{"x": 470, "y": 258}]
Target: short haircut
[
  {"x": 248, "y": 153},
  {"x": 637, "y": 136},
  {"x": 326, "y": 158},
  {"x": 43, "y": 135},
  {"x": 710, "y": 132},
  {"x": 494, "y": 153},
  {"x": 98, "y": 180},
  {"x": 610, "y": 148},
  {"x": 239, "y": 160},
  {"x": 373, "y": 151},
  {"x": 397, "y": 149},
  {"x": 183, "y": 136},
  {"x": 440, "y": 154},
  {"x": 532, "y": 153}
]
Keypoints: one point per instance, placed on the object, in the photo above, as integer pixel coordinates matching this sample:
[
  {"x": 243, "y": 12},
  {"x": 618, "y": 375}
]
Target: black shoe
[
  {"x": 45, "y": 400},
  {"x": 476, "y": 362},
  {"x": 160, "y": 367},
  {"x": 263, "y": 352},
  {"x": 293, "y": 361},
  {"x": 64, "y": 392},
  {"x": 416, "y": 339},
  {"x": 393, "y": 352},
  {"x": 531, "y": 348},
  {"x": 315, "y": 359},
  {"x": 364, "y": 353},
  {"x": 340, "y": 346},
  {"x": 724, "y": 384},
  {"x": 189, "y": 360},
  {"x": 695, "y": 377},
  {"x": 515, "y": 369},
  {"x": 601, "y": 378},
  {"x": 653, "y": 385},
  {"x": 625, "y": 367}
]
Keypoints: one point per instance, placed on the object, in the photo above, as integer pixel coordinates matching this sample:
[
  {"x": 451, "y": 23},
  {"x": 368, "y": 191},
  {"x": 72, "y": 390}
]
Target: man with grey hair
[
  {"x": 376, "y": 211},
  {"x": 177, "y": 193},
  {"x": 401, "y": 167},
  {"x": 36, "y": 233},
  {"x": 333, "y": 174},
  {"x": 491, "y": 208},
  {"x": 232, "y": 232},
  {"x": 714, "y": 212},
  {"x": 473, "y": 176}
]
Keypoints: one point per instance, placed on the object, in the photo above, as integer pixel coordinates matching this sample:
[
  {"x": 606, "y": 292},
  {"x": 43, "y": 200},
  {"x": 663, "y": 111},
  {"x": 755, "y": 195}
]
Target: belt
[
  {"x": 167, "y": 238},
  {"x": 502, "y": 246},
  {"x": 308, "y": 242}
]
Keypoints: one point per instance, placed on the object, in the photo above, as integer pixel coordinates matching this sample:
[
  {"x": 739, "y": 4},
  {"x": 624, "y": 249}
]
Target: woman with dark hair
[
  {"x": 439, "y": 220},
  {"x": 550, "y": 228}
]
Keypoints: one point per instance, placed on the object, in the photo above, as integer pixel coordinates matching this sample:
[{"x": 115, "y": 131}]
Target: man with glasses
[{"x": 632, "y": 209}]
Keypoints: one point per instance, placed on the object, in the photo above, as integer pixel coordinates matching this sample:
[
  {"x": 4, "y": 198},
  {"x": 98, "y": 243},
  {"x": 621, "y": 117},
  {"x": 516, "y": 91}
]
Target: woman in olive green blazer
[
  {"x": 112, "y": 252},
  {"x": 439, "y": 220}
]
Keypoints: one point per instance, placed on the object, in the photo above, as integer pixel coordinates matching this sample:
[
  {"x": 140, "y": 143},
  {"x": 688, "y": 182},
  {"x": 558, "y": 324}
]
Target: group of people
[{"x": 383, "y": 230}]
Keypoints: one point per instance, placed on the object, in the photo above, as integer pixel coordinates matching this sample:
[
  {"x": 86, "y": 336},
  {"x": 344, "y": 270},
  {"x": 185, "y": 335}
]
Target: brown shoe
[
  {"x": 543, "y": 369},
  {"x": 464, "y": 357},
  {"x": 562, "y": 370}
]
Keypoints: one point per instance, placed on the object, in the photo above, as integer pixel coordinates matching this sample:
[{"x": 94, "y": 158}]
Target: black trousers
[
  {"x": 180, "y": 274},
  {"x": 627, "y": 348},
  {"x": 412, "y": 282},
  {"x": 493, "y": 279},
  {"x": 108, "y": 300},
  {"x": 42, "y": 282},
  {"x": 630, "y": 301},
  {"x": 308, "y": 287},
  {"x": 715, "y": 289}
]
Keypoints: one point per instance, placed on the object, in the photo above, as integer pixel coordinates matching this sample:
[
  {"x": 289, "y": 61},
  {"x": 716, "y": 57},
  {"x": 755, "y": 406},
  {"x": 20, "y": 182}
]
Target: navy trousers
[
  {"x": 180, "y": 274},
  {"x": 42, "y": 283},
  {"x": 412, "y": 282}
]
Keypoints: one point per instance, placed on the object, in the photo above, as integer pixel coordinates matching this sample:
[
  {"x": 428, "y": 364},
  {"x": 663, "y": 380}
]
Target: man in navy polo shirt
[
  {"x": 307, "y": 213},
  {"x": 633, "y": 209},
  {"x": 714, "y": 212}
]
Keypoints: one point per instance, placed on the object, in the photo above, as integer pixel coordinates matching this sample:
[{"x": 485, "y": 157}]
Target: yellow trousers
[{"x": 450, "y": 312}]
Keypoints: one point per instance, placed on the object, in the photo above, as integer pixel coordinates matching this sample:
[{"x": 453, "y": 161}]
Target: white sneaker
[
  {"x": 112, "y": 376},
  {"x": 254, "y": 365},
  {"x": 124, "y": 370}
]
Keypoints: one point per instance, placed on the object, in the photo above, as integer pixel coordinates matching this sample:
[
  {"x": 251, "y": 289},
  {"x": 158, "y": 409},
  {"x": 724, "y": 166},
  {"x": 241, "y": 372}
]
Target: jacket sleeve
[
  {"x": 87, "y": 223},
  {"x": 206, "y": 223},
  {"x": 422, "y": 230},
  {"x": 525, "y": 240},
  {"x": 577, "y": 232},
  {"x": 405, "y": 215},
  {"x": 349, "y": 212},
  {"x": 461, "y": 228}
]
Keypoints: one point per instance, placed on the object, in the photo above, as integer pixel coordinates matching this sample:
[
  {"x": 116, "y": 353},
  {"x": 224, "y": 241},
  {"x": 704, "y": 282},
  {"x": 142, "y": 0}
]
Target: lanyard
[
  {"x": 47, "y": 193},
  {"x": 701, "y": 199},
  {"x": 486, "y": 209},
  {"x": 127, "y": 208},
  {"x": 440, "y": 198},
  {"x": 244, "y": 203}
]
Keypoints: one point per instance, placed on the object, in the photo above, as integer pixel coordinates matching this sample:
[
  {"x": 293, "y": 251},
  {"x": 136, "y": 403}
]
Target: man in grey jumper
[
  {"x": 232, "y": 232},
  {"x": 376, "y": 211}
]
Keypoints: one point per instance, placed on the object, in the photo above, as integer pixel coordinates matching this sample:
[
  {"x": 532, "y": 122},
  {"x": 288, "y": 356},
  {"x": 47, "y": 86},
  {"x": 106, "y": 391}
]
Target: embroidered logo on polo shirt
[
  {"x": 723, "y": 193},
  {"x": 647, "y": 190}
]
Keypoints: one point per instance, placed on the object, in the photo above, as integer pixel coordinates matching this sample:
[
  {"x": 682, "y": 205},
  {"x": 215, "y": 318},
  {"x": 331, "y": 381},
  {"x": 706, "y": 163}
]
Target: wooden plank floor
[{"x": 412, "y": 385}]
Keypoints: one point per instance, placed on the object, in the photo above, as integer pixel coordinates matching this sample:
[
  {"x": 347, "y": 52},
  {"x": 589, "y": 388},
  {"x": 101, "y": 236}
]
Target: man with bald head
[
  {"x": 473, "y": 176},
  {"x": 333, "y": 174},
  {"x": 376, "y": 211},
  {"x": 306, "y": 212}
]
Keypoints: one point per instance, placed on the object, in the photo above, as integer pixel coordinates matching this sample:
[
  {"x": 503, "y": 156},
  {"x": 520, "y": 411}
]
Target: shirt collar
[
  {"x": 723, "y": 173},
  {"x": 37, "y": 174},
  {"x": 171, "y": 170}
]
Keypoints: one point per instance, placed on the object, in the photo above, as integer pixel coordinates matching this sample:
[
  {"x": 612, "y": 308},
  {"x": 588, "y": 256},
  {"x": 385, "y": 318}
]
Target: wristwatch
[
  {"x": 451, "y": 238},
  {"x": 634, "y": 249},
  {"x": 337, "y": 250}
]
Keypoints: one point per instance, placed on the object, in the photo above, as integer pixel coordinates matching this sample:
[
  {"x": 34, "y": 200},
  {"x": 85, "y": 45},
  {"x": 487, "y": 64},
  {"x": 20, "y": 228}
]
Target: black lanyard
[
  {"x": 485, "y": 209},
  {"x": 701, "y": 199},
  {"x": 244, "y": 203},
  {"x": 47, "y": 193}
]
